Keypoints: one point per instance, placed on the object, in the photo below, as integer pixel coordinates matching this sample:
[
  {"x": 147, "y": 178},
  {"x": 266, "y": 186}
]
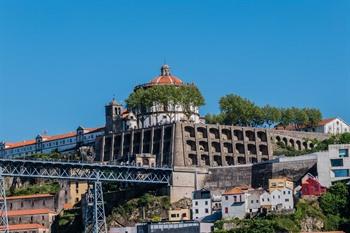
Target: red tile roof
[
  {"x": 236, "y": 190},
  {"x": 326, "y": 121},
  {"x": 29, "y": 196},
  {"x": 10, "y": 145},
  {"x": 28, "y": 212},
  {"x": 24, "y": 227},
  {"x": 161, "y": 80}
]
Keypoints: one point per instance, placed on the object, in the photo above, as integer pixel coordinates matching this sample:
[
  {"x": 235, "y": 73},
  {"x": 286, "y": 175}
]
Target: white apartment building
[
  {"x": 239, "y": 202},
  {"x": 333, "y": 165},
  {"x": 330, "y": 126},
  {"x": 201, "y": 204},
  {"x": 46, "y": 144}
]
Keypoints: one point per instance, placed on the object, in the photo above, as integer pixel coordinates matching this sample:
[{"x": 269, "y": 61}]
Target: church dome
[{"x": 165, "y": 78}]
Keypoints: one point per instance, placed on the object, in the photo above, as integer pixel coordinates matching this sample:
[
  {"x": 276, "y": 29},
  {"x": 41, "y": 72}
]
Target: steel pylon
[
  {"x": 94, "y": 211},
  {"x": 4, "y": 224}
]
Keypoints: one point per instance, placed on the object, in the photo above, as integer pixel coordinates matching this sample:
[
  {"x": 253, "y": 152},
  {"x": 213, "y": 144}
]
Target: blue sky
[{"x": 62, "y": 61}]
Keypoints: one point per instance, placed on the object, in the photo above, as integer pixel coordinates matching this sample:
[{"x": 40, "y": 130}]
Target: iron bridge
[{"x": 94, "y": 173}]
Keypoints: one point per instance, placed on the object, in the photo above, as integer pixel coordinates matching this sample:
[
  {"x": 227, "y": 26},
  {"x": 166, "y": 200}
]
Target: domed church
[{"x": 119, "y": 118}]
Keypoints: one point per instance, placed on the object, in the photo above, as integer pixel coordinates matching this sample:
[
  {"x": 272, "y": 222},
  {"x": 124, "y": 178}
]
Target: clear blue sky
[{"x": 61, "y": 61}]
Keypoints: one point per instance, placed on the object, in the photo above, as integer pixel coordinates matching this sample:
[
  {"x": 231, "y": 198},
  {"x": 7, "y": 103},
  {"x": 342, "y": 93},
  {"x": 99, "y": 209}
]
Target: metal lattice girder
[
  {"x": 3, "y": 208},
  {"x": 84, "y": 171},
  {"x": 99, "y": 223},
  {"x": 88, "y": 210}
]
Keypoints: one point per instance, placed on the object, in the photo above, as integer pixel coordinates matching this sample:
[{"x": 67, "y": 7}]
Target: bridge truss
[{"x": 95, "y": 173}]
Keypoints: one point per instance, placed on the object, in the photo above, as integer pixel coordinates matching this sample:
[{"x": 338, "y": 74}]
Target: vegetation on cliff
[
  {"x": 145, "y": 208},
  {"x": 49, "y": 187}
]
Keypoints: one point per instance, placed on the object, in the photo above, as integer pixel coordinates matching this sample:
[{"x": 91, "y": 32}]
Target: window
[
  {"x": 226, "y": 198},
  {"x": 226, "y": 210},
  {"x": 286, "y": 200},
  {"x": 235, "y": 198},
  {"x": 252, "y": 201},
  {"x": 263, "y": 199},
  {"x": 196, "y": 203},
  {"x": 337, "y": 162},
  {"x": 257, "y": 201},
  {"x": 341, "y": 172},
  {"x": 42, "y": 218},
  {"x": 343, "y": 153},
  {"x": 206, "y": 210},
  {"x": 206, "y": 202},
  {"x": 44, "y": 203},
  {"x": 173, "y": 215},
  {"x": 196, "y": 211}
]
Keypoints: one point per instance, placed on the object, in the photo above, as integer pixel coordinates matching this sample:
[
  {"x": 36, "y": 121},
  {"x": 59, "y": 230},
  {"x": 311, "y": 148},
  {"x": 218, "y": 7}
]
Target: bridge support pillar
[
  {"x": 94, "y": 212},
  {"x": 4, "y": 224}
]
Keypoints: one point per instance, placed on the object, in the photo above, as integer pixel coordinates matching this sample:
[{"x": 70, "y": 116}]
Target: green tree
[
  {"x": 301, "y": 118},
  {"x": 271, "y": 115},
  {"x": 314, "y": 116},
  {"x": 288, "y": 116},
  {"x": 336, "y": 200},
  {"x": 238, "y": 111}
]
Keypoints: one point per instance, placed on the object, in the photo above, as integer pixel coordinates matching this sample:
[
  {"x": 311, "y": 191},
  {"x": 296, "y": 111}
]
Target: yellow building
[
  {"x": 75, "y": 192},
  {"x": 179, "y": 214},
  {"x": 280, "y": 183}
]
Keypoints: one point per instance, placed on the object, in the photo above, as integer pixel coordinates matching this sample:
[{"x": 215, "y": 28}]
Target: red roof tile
[
  {"x": 24, "y": 227},
  {"x": 28, "y": 212},
  {"x": 326, "y": 121},
  {"x": 29, "y": 196}
]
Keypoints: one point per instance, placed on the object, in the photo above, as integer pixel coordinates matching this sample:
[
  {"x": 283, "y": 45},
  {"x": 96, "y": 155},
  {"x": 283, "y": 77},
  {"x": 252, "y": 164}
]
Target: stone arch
[
  {"x": 217, "y": 160},
  {"x": 263, "y": 150},
  {"x": 285, "y": 141},
  {"x": 228, "y": 147},
  {"x": 251, "y": 149},
  {"x": 241, "y": 160},
  {"x": 226, "y": 134},
  {"x": 215, "y": 147},
  {"x": 298, "y": 144},
  {"x": 253, "y": 160},
  {"x": 189, "y": 131},
  {"x": 305, "y": 145},
  {"x": 238, "y": 134},
  {"x": 240, "y": 148},
  {"x": 205, "y": 160},
  {"x": 203, "y": 146},
  {"x": 214, "y": 133},
  {"x": 278, "y": 139},
  {"x": 291, "y": 142},
  {"x": 202, "y": 132},
  {"x": 191, "y": 145},
  {"x": 250, "y": 135},
  {"x": 230, "y": 160},
  {"x": 193, "y": 159},
  {"x": 262, "y": 136}
]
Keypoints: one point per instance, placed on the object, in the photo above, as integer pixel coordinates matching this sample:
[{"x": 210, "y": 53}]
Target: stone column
[
  {"x": 210, "y": 154},
  {"x": 141, "y": 143},
  {"x": 111, "y": 154},
  {"x": 151, "y": 142},
  {"x": 122, "y": 145},
  {"x": 161, "y": 146},
  {"x": 132, "y": 142},
  {"x": 102, "y": 155}
]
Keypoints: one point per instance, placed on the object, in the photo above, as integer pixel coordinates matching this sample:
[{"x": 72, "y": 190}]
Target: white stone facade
[
  {"x": 331, "y": 126},
  {"x": 334, "y": 165},
  {"x": 239, "y": 203},
  {"x": 47, "y": 144},
  {"x": 201, "y": 204}
]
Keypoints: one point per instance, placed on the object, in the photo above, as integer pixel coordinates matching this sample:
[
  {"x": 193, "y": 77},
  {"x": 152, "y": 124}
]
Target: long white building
[{"x": 46, "y": 144}]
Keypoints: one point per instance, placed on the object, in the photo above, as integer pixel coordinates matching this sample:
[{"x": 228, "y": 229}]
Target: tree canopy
[
  {"x": 237, "y": 110},
  {"x": 187, "y": 96}
]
